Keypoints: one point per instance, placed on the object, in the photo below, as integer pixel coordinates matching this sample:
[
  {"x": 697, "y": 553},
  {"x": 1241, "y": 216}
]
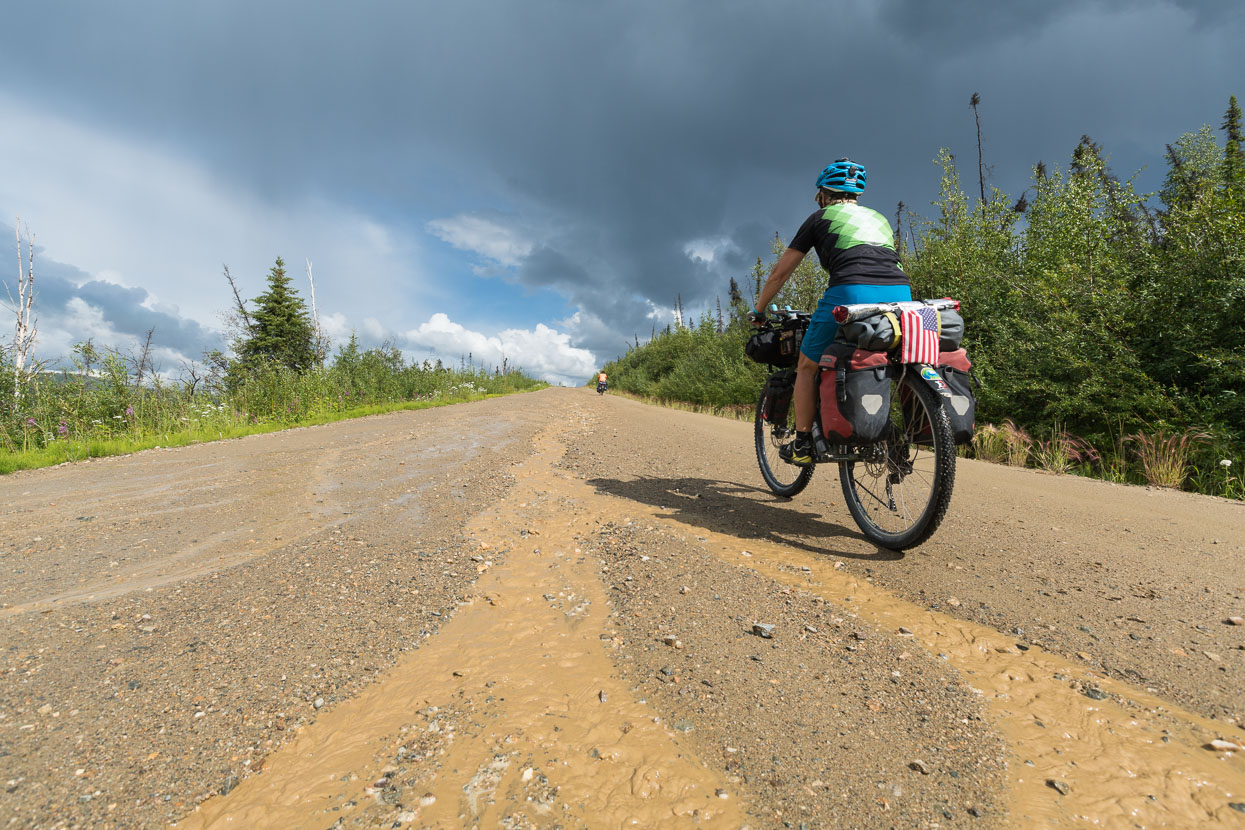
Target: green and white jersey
[{"x": 855, "y": 244}]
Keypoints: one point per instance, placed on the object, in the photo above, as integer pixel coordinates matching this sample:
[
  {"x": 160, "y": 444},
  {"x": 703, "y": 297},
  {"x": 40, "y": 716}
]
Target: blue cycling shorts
[{"x": 823, "y": 327}]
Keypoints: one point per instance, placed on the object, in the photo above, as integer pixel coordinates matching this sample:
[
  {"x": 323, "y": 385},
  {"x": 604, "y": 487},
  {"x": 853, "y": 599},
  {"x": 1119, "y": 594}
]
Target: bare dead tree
[
  {"x": 26, "y": 325},
  {"x": 142, "y": 363},
  {"x": 320, "y": 343},
  {"x": 192, "y": 376},
  {"x": 981, "y": 167},
  {"x": 239, "y": 306},
  {"x": 899, "y": 226}
]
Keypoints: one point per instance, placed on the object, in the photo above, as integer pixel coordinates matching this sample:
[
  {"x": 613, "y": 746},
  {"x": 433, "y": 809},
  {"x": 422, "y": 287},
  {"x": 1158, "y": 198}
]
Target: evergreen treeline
[{"x": 1092, "y": 311}]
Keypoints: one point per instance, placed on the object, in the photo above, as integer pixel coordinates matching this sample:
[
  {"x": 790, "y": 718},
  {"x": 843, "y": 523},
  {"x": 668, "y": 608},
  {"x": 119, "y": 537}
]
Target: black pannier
[
  {"x": 855, "y": 394},
  {"x": 778, "y": 391},
  {"x": 956, "y": 370},
  {"x": 958, "y": 401}
]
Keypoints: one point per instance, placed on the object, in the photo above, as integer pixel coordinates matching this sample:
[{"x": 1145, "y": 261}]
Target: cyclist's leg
[{"x": 805, "y": 394}]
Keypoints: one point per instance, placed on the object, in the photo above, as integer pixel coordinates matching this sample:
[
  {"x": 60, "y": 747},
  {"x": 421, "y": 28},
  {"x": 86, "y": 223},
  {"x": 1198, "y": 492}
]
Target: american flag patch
[{"x": 920, "y": 336}]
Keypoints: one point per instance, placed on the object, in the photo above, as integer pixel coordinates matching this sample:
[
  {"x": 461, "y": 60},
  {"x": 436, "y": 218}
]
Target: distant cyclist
[
  {"x": 856, "y": 247},
  {"x": 601, "y": 384}
]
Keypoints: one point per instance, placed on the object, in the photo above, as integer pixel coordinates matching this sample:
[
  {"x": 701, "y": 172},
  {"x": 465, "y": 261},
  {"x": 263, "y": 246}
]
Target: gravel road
[{"x": 548, "y": 609}]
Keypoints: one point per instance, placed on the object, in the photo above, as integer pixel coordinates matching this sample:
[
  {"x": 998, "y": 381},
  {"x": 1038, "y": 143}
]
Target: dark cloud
[
  {"x": 629, "y": 130},
  {"x": 121, "y": 310},
  {"x": 975, "y": 20}
]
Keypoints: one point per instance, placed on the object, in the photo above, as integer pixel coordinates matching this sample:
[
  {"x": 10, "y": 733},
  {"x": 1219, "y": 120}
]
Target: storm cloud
[{"x": 613, "y": 155}]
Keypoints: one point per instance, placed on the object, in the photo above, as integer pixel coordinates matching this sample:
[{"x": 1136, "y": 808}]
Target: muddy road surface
[{"x": 564, "y": 610}]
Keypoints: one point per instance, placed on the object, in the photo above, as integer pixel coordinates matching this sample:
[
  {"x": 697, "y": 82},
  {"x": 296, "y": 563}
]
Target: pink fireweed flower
[
  {"x": 129, "y": 412},
  {"x": 63, "y": 429},
  {"x": 31, "y": 422}
]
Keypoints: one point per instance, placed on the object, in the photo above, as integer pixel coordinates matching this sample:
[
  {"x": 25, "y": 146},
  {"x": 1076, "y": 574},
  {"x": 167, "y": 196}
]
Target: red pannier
[{"x": 855, "y": 394}]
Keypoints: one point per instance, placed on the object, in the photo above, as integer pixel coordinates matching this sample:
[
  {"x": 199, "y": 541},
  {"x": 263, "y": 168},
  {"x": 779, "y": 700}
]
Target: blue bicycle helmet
[{"x": 843, "y": 176}]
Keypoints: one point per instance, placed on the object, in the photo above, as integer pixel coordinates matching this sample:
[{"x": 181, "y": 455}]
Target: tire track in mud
[
  {"x": 512, "y": 715},
  {"x": 1126, "y": 757}
]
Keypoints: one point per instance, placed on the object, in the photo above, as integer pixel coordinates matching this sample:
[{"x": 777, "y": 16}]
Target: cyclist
[
  {"x": 601, "y": 384},
  {"x": 856, "y": 247}
]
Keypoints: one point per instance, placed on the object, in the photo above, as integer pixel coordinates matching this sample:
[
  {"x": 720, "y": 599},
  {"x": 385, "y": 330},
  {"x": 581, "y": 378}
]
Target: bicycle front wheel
[
  {"x": 899, "y": 491},
  {"x": 783, "y": 479}
]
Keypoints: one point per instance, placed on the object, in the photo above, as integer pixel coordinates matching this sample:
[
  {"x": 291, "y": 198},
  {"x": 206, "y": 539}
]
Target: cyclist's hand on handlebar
[{"x": 756, "y": 318}]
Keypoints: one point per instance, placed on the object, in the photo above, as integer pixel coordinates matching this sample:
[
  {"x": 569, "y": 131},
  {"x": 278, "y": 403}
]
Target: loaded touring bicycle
[{"x": 889, "y": 415}]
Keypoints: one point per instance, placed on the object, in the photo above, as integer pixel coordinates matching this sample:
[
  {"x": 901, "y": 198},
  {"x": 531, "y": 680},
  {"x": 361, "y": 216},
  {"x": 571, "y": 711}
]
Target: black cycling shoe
[{"x": 799, "y": 452}]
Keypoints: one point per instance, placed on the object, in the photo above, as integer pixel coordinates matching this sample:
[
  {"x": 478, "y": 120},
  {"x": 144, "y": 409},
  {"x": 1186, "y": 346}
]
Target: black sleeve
[{"x": 804, "y": 238}]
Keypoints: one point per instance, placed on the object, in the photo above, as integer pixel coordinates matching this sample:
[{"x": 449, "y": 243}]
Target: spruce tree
[
  {"x": 1233, "y": 155},
  {"x": 280, "y": 332}
]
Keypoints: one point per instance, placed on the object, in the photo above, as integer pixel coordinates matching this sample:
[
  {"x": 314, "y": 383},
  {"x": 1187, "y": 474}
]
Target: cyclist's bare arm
[{"x": 783, "y": 269}]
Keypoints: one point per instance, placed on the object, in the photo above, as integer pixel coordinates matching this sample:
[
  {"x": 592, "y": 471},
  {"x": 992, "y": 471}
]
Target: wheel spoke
[{"x": 913, "y": 466}]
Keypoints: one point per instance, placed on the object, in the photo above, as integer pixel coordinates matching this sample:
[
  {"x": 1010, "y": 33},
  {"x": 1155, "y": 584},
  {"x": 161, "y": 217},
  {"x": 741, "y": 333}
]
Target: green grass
[
  {"x": 64, "y": 451},
  {"x": 93, "y": 412}
]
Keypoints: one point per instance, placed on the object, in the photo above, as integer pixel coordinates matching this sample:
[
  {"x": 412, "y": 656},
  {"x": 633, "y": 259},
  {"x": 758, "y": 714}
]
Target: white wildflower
[{"x": 1225, "y": 463}]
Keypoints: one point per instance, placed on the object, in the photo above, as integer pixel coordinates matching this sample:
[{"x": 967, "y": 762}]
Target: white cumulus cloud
[
  {"x": 544, "y": 352},
  {"x": 487, "y": 235}
]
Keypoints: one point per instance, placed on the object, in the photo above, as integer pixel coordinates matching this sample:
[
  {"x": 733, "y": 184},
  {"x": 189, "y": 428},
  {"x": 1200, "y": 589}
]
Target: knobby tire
[{"x": 783, "y": 479}]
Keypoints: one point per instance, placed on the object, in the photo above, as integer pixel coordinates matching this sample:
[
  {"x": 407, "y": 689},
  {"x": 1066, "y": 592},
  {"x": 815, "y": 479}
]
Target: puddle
[{"x": 511, "y": 716}]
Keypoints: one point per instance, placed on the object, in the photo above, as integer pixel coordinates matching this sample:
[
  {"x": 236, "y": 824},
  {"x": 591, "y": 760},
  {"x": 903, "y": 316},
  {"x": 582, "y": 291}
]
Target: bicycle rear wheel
[
  {"x": 783, "y": 479},
  {"x": 899, "y": 491}
]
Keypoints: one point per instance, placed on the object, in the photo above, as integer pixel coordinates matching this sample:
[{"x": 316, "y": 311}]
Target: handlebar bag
[
  {"x": 855, "y": 394},
  {"x": 779, "y": 347},
  {"x": 763, "y": 347}
]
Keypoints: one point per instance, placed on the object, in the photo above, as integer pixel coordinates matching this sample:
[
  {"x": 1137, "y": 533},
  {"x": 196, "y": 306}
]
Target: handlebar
[{"x": 788, "y": 314}]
